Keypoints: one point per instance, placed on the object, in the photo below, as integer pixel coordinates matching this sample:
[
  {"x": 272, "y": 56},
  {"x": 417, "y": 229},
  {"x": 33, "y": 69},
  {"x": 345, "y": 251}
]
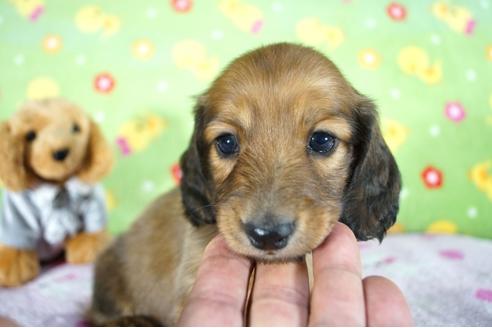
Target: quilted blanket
[
  {"x": 447, "y": 281},
  {"x": 136, "y": 66}
]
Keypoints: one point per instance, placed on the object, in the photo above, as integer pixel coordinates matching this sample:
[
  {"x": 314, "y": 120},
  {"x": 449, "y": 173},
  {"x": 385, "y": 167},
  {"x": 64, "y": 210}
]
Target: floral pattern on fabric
[{"x": 137, "y": 67}]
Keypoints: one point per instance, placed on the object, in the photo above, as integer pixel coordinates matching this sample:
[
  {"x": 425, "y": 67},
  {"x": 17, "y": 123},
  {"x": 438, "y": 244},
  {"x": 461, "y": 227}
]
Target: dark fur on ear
[
  {"x": 196, "y": 189},
  {"x": 371, "y": 199}
]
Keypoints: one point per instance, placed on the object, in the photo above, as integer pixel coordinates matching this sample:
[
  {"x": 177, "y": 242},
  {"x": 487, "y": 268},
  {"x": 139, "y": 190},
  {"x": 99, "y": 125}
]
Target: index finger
[
  {"x": 337, "y": 298},
  {"x": 219, "y": 293}
]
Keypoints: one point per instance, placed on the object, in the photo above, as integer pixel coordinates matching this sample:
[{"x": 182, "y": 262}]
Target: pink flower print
[
  {"x": 104, "y": 83},
  {"x": 257, "y": 26},
  {"x": 124, "y": 146},
  {"x": 432, "y": 177},
  {"x": 455, "y": 111},
  {"x": 36, "y": 13},
  {"x": 176, "y": 173},
  {"x": 452, "y": 254},
  {"x": 182, "y": 6},
  {"x": 484, "y": 294},
  {"x": 396, "y": 11}
]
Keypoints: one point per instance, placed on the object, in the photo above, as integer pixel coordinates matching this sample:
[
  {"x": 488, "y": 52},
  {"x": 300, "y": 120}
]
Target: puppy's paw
[
  {"x": 84, "y": 247},
  {"x": 17, "y": 266}
]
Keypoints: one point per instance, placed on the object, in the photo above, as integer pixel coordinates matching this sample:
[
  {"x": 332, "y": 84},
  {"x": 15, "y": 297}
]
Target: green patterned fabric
[{"x": 136, "y": 65}]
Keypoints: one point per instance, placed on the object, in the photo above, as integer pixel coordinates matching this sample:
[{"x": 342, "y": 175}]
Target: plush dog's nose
[
  {"x": 61, "y": 154},
  {"x": 269, "y": 237}
]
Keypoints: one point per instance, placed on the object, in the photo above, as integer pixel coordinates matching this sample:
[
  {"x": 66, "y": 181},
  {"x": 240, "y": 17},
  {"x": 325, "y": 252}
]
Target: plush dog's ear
[
  {"x": 98, "y": 159},
  {"x": 195, "y": 186},
  {"x": 371, "y": 198},
  {"x": 13, "y": 171}
]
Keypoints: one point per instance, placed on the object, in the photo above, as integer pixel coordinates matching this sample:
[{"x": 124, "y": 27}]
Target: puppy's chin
[
  {"x": 278, "y": 260},
  {"x": 272, "y": 256}
]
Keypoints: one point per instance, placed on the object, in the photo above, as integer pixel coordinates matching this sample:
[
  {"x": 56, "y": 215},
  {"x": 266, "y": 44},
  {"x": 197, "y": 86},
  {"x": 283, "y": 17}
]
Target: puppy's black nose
[
  {"x": 61, "y": 154},
  {"x": 269, "y": 237}
]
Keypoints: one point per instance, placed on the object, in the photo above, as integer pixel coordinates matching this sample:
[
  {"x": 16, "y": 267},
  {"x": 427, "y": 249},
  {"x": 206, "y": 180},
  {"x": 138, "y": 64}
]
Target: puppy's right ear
[
  {"x": 196, "y": 188},
  {"x": 13, "y": 171}
]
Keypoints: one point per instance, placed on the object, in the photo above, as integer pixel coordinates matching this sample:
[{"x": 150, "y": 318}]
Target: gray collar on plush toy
[{"x": 60, "y": 208}]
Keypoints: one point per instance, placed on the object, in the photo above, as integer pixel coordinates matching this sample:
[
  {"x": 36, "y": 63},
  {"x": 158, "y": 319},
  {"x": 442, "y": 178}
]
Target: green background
[{"x": 159, "y": 86}]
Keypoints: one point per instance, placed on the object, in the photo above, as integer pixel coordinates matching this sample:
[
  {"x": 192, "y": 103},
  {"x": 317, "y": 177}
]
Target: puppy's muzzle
[{"x": 269, "y": 237}]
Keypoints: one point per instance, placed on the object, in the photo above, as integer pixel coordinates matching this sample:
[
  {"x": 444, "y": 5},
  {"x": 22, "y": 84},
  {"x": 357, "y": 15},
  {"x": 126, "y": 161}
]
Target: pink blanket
[{"x": 447, "y": 281}]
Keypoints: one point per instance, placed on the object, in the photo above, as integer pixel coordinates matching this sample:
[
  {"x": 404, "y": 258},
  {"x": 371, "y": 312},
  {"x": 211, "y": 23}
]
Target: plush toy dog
[{"x": 51, "y": 156}]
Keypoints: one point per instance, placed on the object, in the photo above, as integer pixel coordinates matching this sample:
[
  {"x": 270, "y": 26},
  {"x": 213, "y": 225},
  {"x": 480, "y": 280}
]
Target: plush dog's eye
[
  {"x": 30, "y": 136},
  {"x": 322, "y": 142},
  {"x": 227, "y": 144},
  {"x": 75, "y": 128}
]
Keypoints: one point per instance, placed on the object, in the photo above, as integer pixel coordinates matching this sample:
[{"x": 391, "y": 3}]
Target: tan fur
[
  {"x": 84, "y": 247},
  {"x": 26, "y": 164},
  {"x": 151, "y": 269},
  {"x": 272, "y": 100},
  {"x": 99, "y": 159},
  {"x": 52, "y": 120},
  {"x": 17, "y": 266},
  {"x": 13, "y": 172},
  {"x": 303, "y": 99}
]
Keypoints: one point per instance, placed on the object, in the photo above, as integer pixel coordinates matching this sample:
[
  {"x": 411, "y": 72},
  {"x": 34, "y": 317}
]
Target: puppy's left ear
[
  {"x": 98, "y": 159},
  {"x": 371, "y": 199},
  {"x": 196, "y": 189}
]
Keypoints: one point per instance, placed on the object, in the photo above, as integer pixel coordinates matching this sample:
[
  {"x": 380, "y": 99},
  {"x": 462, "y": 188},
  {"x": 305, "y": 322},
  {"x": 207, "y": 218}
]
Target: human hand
[
  {"x": 6, "y": 322},
  {"x": 281, "y": 297}
]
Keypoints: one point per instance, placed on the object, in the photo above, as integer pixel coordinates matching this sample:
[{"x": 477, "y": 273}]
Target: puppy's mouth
[{"x": 268, "y": 249}]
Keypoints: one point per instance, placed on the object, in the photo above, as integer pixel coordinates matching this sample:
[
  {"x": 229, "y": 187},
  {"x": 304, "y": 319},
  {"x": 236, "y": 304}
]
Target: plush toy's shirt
[{"x": 43, "y": 217}]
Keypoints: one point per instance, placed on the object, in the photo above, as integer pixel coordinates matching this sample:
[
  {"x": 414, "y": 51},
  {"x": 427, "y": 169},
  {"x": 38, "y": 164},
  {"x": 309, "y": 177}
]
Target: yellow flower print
[
  {"x": 458, "y": 18},
  {"x": 311, "y": 31},
  {"x": 431, "y": 74},
  {"x": 137, "y": 134},
  {"x": 42, "y": 87},
  {"x": 52, "y": 43},
  {"x": 246, "y": 17},
  {"x": 30, "y": 9},
  {"x": 442, "y": 227},
  {"x": 93, "y": 19},
  {"x": 397, "y": 228},
  {"x": 110, "y": 200},
  {"x": 488, "y": 52},
  {"x": 369, "y": 59},
  {"x": 415, "y": 61},
  {"x": 143, "y": 49},
  {"x": 481, "y": 176},
  {"x": 395, "y": 134},
  {"x": 192, "y": 55}
]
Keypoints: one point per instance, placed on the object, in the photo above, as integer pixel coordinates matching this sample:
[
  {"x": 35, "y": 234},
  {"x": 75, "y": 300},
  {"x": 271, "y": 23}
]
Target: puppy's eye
[
  {"x": 321, "y": 142},
  {"x": 227, "y": 144},
  {"x": 75, "y": 128},
  {"x": 30, "y": 136}
]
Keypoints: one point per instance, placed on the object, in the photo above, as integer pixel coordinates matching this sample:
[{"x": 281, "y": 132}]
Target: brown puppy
[{"x": 283, "y": 148}]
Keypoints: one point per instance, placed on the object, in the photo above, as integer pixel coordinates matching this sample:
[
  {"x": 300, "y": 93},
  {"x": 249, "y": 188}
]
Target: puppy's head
[
  {"x": 283, "y": 148},
  {"x": 51, "y": 140}
]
